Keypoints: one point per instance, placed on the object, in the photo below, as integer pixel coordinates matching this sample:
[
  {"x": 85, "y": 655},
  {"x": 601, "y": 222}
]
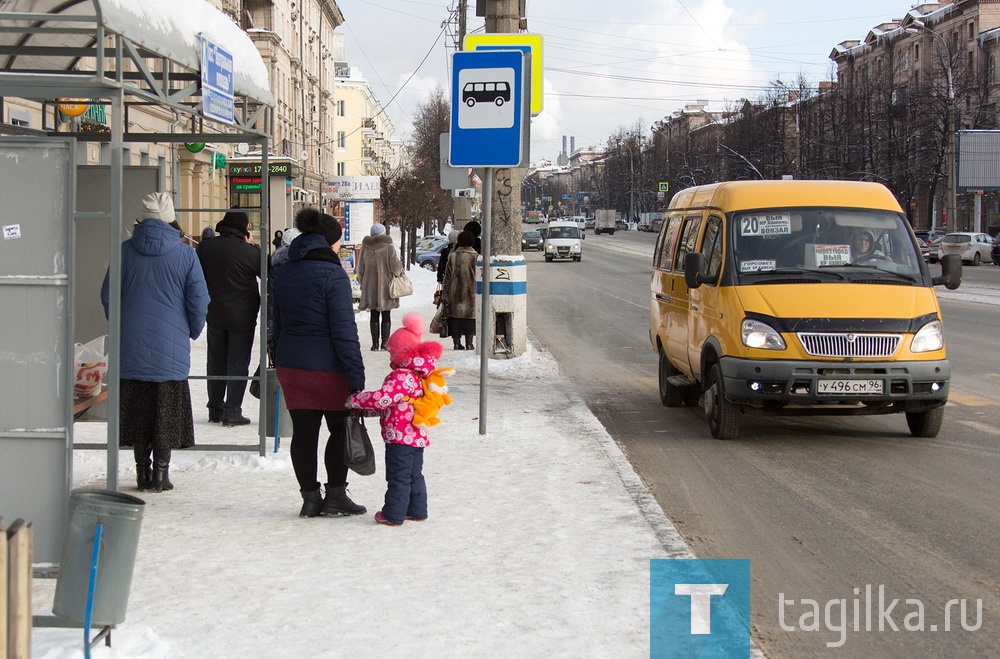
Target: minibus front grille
[{"x": 846, "y": 344}]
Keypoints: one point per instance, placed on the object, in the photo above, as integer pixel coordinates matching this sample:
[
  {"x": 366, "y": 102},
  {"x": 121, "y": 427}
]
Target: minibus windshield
[{"x": 857, "y": 242}]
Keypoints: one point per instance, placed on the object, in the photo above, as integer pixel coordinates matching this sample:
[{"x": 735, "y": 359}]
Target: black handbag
[
  {"x": 359, "y": 455},
  {"x": 255, "y": 384}
]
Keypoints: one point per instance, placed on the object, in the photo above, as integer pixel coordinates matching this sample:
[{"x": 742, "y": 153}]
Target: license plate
[{"x": 850, "y": 387}]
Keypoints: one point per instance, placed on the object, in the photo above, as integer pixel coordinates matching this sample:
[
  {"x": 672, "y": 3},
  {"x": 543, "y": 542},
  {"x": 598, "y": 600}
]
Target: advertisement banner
[{"x": 354, "y": 188}]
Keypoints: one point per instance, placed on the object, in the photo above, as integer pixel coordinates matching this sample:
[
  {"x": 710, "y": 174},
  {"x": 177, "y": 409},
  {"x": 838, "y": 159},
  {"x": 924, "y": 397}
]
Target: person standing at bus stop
[
  {"x": 232, "y": 267},
  {"x": 163, "y": 305}
]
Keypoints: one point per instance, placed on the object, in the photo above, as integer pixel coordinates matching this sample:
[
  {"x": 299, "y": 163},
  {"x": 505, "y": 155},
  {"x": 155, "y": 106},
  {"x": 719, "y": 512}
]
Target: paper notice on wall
[
  {"x": 358, "y": 219},
  {"x": 11, "y": 231}
]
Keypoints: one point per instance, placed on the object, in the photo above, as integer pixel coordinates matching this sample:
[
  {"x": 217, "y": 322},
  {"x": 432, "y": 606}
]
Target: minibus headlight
[
  {"x": 761, "y": 335},
  {"x": 930, "y": 337}
]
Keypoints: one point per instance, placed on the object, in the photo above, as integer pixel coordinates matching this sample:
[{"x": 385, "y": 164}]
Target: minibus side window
[
  {"x": 688, "y": 243},
  {"x": 665, "y": 250},
  {"x": 711, "y": 246}
]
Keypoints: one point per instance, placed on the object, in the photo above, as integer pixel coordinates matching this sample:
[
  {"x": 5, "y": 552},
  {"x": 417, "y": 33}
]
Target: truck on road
[{"x": 604, "y": 221}]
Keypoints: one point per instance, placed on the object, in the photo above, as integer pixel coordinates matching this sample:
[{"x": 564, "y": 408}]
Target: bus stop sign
[{"x": 489, "y": 109}]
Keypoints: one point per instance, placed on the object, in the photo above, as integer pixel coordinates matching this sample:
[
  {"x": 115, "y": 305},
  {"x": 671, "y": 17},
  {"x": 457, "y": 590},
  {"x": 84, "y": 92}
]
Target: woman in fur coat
[
  {"x": 377, "y": 265},
  {"x": 459, "y": 291}
]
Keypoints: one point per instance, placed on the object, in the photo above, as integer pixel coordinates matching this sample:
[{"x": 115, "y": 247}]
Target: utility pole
[{"x": 504, "y": 17}]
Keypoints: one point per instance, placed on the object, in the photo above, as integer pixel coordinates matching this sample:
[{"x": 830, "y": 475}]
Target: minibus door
[{"x": 679, "y": 307}]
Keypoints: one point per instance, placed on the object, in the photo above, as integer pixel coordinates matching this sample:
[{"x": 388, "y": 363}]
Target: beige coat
[
  {"x": 459, "y": 285},
  {"x": 377, "y": 264}
]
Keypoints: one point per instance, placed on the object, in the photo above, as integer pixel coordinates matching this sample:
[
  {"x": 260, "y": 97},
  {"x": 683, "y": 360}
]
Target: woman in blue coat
[
  {"x": 317, "y": 358},
  {"x": 164, "y": 301}
]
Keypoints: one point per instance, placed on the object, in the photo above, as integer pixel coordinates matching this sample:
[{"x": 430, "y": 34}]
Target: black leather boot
[
  {"x": 386, "y": 326},
  {"x": 468, "y": 342},
  {"x": 143, "y": 467},
  {"x": 312, "y": 503},
  {"x": 161, "y": 471},
  {"x": 338, "y": 503},
  {"x": 374, "y": 329}
]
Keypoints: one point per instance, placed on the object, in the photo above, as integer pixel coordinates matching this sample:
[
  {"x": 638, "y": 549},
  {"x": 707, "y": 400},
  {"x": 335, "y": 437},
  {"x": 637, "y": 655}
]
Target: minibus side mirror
[
  {"x": 951, "y": 272},
  {"x": 694, "y": 265}
]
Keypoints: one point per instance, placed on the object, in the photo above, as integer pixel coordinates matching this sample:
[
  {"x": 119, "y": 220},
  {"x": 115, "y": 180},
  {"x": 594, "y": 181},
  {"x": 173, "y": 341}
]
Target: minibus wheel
[
  {"x": 670, "y": 395},
  {"x": 723, "y": 416},
  {"x": 927, "y": 423}
]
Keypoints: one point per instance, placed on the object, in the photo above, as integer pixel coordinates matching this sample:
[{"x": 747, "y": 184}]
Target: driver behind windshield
[{"x": 863, "y": 247}]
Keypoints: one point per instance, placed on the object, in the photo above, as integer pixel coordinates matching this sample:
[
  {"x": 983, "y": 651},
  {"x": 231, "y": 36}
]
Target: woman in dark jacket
[
  {"x": 164, "y": 302},
  {"x": 317, "y": 358},
  {"x": 459, "y": 291}
]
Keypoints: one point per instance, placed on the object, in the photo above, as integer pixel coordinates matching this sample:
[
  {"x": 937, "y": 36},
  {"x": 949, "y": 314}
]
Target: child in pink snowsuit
[{"x": 411, "y": 361}]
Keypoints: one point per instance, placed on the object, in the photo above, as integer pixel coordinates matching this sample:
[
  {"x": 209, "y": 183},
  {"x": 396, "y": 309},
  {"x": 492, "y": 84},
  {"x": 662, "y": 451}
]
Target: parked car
[
  {"x": 995, "y": 250},
  {"x": 925, "y": 251},
  {"x": 934, "y": 250},
  {"x": 429, "y": 258},
  {"x": 974, "y": 248},
  {"x": 621, "y": 225},
  {"x": 428, "y": 243},
  {"x": 929, "y": 235},
  {"x": 531, "y": 240}
]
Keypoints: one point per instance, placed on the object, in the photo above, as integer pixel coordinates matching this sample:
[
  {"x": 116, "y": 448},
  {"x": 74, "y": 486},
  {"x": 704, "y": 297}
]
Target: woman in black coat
[{"x": 317, "y": 358}]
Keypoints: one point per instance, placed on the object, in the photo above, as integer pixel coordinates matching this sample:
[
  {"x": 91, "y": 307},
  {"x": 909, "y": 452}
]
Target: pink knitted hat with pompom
[{"x": 404, "y": 344}]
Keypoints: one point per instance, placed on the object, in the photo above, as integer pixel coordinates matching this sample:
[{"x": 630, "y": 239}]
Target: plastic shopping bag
[{"x": 91, "y": 367}]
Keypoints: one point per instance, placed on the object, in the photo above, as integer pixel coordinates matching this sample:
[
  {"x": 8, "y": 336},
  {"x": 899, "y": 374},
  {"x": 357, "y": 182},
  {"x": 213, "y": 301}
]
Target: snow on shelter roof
[{"x": 170, "y": 28}]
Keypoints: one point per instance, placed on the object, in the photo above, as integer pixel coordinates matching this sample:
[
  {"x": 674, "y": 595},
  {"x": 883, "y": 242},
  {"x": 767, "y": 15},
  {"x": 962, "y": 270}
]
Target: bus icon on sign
[{"x": 486, "y": 92}]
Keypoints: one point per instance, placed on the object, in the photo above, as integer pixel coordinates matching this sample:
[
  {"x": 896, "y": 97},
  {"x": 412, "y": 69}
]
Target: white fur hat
[
  {"x": 289, "y": 235},
  {"x": 159, "y": 206}
]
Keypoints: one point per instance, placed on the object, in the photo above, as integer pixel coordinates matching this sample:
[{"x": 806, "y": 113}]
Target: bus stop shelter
[{"x": 131, "y": 57}]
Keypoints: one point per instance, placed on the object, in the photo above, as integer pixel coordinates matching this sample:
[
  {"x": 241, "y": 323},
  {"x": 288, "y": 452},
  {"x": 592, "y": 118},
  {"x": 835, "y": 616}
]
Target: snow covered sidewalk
[{"x": 538, "y": 541}]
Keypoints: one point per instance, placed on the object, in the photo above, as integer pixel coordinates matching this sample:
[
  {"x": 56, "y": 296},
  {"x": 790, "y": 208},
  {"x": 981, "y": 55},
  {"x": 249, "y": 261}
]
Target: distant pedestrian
[
  {"x": 443, "y": 256},
  {"x": 232, "y": 267},
  {"x": 377, "y": 265},
  {"x": 317, "y": 358},
  {"x": 277, "y": 239},
  {"x": 412, "y": 362},
  {"x": 164, "y": 301},
  {"x": 206, "y": 233},
  {"x": 475, "y": 228},
  {"x": 458, "y": 292}
]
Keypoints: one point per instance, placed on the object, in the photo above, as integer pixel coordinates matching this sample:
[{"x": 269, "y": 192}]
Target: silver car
[{"x": 974, "y": 248}]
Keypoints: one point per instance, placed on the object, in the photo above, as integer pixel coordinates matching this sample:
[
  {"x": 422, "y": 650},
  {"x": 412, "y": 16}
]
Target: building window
[
  {"x": 341, "y": 139},
  {"x": 341, "y": 109},
  {"x": 341, "y": 169},
  {"x": 18, "y": 118}
]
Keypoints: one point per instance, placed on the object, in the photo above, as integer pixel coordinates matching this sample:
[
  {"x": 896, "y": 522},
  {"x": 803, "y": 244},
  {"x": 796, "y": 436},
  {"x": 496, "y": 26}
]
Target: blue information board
[
  {"x": 217, "y": 82},
  {"x": 489, "y": 111}
]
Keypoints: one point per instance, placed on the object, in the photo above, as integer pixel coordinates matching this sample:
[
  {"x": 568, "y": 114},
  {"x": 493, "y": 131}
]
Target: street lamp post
[{"x": 950, "y": 126}]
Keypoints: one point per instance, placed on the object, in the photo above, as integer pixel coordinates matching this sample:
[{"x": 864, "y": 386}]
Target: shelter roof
[{"x": 169, "y": 29}]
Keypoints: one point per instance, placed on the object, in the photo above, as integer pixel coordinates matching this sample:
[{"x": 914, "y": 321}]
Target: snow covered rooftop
[{"x": 169, "y": 29}]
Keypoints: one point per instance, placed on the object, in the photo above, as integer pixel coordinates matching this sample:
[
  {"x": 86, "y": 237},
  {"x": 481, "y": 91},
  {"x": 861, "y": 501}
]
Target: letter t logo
[{"x": 701, "y": 603}]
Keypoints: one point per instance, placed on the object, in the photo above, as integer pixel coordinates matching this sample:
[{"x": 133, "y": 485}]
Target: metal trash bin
[
  {"x": 121, "y": 518},
  {"x": 284, "y": 419}
]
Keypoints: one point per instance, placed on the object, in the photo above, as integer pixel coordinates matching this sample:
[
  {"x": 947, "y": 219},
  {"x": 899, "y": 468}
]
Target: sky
[{"x": 611, "y": 65}]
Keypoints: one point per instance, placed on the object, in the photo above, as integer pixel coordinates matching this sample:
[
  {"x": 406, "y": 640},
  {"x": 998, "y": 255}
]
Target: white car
[
  {"x": 974, "y": 248},
  {"x": 563, "y": 240}
]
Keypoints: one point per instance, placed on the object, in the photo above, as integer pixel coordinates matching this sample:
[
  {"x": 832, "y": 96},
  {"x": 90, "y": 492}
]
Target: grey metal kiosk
[{"x": 108, "y": 53}]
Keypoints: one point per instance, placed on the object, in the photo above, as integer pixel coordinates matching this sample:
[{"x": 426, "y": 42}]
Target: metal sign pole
[{"x": 485, "y": 324}]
